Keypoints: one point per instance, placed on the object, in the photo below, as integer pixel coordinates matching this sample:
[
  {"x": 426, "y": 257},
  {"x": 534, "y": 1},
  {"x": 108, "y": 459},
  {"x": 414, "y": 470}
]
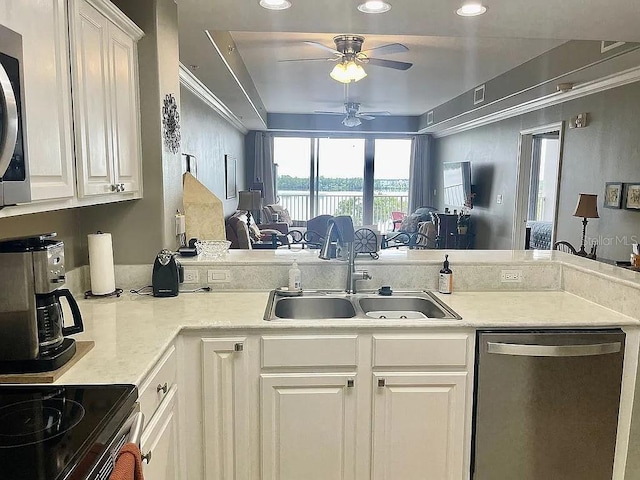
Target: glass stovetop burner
[
  {"x": 53, "y": 432},
  {"x": 34, "y": 421}
]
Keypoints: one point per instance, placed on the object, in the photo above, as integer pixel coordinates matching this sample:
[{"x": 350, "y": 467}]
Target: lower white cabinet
[
  {"x": 225, "y": 410},
  {"x": 159, "y": 443},
  {"x": 418, "y": 425},
  {"x": 308, "y": 426}
]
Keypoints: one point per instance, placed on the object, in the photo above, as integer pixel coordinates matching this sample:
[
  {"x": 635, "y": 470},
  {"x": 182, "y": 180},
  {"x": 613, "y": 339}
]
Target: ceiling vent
[{"x": 478, "y": 95}]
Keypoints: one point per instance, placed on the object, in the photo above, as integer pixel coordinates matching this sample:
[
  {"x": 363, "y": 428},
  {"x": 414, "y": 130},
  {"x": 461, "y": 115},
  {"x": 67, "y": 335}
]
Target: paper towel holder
[{"x": 116, "y": 293}]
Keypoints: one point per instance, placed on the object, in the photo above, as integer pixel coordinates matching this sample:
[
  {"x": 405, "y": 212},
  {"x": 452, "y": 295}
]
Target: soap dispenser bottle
[
  {"x": 445, "y": 281},
  {"x": 295, "y": 277}
]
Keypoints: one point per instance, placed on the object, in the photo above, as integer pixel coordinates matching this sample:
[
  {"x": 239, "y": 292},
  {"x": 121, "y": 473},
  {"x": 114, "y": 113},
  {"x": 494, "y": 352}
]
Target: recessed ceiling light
[
  {"x": 374, "y": 6},
  {"x": 471, "y": 9},
  {"x": 275, "y": 4}
]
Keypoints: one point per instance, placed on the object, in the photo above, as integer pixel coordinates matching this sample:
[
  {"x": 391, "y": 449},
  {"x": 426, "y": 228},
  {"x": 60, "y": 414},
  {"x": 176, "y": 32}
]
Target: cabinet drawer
[
  {"x": 309, "y": 351},
  {"x": 435, "y": 350},
  {"x": 153, "y": 388}
]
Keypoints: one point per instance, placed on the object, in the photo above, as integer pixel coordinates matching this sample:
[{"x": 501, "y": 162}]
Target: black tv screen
[{"x": 457, "y": 184}]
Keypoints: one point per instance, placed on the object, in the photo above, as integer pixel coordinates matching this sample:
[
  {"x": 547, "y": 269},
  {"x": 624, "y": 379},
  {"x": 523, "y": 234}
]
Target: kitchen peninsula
[{"x": 215, "y": 379}]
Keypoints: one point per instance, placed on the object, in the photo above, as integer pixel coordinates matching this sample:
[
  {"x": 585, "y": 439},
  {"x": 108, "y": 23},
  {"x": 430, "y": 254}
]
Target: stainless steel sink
[
  {"x": 326, "y": 305},
  {"x": 314, "y": 307},
  {"x": 402, "y": 307}
]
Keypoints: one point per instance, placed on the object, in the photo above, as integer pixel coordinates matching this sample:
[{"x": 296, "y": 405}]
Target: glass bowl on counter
[{"x": 212, "y": 248}]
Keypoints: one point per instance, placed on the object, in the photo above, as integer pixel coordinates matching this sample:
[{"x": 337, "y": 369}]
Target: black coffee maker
[{"x": 32, "y": 330}]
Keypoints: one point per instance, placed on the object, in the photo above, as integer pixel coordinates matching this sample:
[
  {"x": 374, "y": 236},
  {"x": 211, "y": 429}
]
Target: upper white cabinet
[
  {"x": 105, "y": 94},
  {"x": 47, "y": 92}
]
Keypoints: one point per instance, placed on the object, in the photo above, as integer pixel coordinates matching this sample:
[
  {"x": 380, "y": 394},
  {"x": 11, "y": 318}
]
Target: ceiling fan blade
[
  {"x": 328, "y": 113},
  {"x": 308, "y": 60},
  {"x": 387, "y": 49},
  {"x": 389, "y": 64},
  {"x": 365, "y": 117},
  {"x": 376, "y": 114},
  {"x": 324, "y": 47}
]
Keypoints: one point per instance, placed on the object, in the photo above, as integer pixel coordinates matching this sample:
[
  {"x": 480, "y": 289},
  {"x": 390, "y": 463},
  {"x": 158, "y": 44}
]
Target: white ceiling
[{"x": 450, "y": 54}]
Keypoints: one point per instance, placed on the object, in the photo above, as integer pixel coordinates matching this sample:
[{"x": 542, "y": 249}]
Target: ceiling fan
[
  {"x": 348, "y": 51},
  {"x": 353, "y": 116}
]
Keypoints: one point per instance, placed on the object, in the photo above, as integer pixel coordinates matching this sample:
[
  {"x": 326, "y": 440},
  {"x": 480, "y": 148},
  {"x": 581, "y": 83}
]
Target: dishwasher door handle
[{"x": 553, "y": 350}]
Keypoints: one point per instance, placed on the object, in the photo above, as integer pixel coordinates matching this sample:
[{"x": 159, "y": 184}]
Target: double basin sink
[{"x": 314, "y": 305}]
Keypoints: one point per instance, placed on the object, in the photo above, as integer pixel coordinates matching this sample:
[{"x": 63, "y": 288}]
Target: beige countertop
[{"x": 131, "y": 332}]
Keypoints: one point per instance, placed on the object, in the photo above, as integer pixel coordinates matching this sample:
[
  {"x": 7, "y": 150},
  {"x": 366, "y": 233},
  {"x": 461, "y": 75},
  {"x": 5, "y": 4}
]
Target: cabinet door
[
  {"x": 92, "y": 112},
  {"x": 47, "y": 94},
  {"x": 418, "y": 426},
  {"x": 225, "y": 410},
  {"x": 308, "y": 426},
  {"x": 160, "y": 441},
  {"x": 124, "y": 109}
]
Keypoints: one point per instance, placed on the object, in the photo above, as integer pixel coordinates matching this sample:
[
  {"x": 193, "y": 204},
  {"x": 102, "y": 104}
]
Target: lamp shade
[
  {"x": 587, "y": 206},
  {"x": 249, "y": 200}
]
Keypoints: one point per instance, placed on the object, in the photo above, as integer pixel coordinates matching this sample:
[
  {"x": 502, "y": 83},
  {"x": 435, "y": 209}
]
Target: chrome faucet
[{"x": 343, "y": 228}]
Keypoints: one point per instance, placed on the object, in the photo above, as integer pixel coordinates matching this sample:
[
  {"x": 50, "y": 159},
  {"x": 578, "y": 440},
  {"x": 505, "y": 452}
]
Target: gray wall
[
  {"x": 66, "y": 223},
  {"x": 209, "y": 137},
  {"x": 607, "y": 150}
]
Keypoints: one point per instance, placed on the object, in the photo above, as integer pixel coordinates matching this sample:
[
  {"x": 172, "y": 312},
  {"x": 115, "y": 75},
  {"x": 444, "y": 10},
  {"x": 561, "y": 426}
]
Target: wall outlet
[
  {"x": 190, "y": 275},
  {"x": 499, "y": 199},
  {"x": 218, "y": 276},
  {"x": 511, "y": 276}
]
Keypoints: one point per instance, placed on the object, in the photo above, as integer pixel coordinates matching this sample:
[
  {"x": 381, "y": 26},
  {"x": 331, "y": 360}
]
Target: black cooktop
[{"x": 56, "y": 432}]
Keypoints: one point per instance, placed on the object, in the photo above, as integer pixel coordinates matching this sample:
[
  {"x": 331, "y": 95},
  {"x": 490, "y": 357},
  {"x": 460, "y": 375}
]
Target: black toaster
[{"x": 166, "y": 275}]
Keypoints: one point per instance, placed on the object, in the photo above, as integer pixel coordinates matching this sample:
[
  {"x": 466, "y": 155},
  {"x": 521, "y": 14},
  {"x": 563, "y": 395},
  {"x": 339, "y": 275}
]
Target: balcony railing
[{"x": 345, "y": 203}]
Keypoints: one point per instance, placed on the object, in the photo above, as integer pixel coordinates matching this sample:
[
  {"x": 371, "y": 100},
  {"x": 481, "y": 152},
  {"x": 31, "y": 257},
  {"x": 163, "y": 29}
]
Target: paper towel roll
[{"x": 101, "y": 263}]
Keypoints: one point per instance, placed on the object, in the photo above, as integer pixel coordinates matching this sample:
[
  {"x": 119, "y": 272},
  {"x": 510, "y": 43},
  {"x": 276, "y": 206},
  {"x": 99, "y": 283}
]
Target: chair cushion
[
  {"x": 276, "y": 213},
  {"x": 410, "y": 223}
]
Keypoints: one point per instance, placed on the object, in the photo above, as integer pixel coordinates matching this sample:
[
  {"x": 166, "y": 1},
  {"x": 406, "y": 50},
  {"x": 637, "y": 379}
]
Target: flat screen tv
[{"x": 457, "y": 184}]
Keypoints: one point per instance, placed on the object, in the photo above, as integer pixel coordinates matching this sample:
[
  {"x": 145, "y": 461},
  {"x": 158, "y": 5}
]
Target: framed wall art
[
  {"x": 613, "y": 194},
  {"x": 230, "y": 176},
  {"x": 632, "y": 196}
]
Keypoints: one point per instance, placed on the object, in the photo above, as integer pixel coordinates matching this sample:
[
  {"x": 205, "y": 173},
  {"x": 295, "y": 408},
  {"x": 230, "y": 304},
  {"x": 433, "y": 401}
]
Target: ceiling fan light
[
  {"x": 354, "y": 71},
  {"x": 351, "y": 121},
  {"x": 275, "y": 4},
  {"x": 374, "y": 6},
  {"x": 339, "y": 73},
  {"x": 471, "y": 8}
]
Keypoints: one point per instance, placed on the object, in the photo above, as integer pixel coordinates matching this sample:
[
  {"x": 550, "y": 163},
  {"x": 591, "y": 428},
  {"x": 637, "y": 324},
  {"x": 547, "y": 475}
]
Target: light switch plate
[{"x": 499, "y": 199}]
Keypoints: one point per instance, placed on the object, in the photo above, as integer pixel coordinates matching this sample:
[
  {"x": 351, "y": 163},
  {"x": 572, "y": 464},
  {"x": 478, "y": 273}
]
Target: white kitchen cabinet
[
  {"x": 308, "y": 426},
  {"x": 418, "y": 425},
  {"x": 225, "y": 379},
  {"x": 47, "y": 92},
  {"x": 105, "y": 95},
  {"x": 159, "y": 442}
]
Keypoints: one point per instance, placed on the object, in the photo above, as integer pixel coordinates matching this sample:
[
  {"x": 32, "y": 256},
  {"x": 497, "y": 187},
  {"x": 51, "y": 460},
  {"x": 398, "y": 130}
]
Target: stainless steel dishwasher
[{"x": 546, "y": 404}]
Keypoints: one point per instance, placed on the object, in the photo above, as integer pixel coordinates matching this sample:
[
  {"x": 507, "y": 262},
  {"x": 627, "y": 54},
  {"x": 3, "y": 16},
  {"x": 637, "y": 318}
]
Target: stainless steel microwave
[{"x": 14, "y": 166}]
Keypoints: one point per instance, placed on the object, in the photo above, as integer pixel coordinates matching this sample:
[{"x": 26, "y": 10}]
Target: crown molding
[
  {"x": 200, "y": 90},
  {"x": 619, "y": 79},
  {"x": 112, "y": 12}
]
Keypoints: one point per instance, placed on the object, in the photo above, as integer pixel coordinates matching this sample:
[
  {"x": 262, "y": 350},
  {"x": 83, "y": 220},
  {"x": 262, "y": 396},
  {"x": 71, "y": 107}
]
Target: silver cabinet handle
[
  {"x": 114, "y": 187},
  {"x": 382, "y": 382},
  {"x": 350, "y": 382},
  {"x": 553, "y": 350},
  {"x": 146, "y": 457},
  {"x": 238, "y": 347},
  {"x": 162, "y": 388},
  {"x": 9, "y": 121},
  {"x": 121, "y": 187}
]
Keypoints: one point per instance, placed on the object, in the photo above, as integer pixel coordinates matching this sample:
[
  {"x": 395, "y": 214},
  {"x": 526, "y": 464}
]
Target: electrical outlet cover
[
  {"x": 511, "y": 276},
  {"x": 190, "y": 275}
]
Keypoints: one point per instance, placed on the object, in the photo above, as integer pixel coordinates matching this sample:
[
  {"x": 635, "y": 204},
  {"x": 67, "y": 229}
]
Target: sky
[{"x": 343, "y": 157}]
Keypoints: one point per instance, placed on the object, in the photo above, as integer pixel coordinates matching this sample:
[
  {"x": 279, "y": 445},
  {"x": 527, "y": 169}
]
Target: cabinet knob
[
  {"x": 238, "y": 347},
  {"x": 382, "y": 382},
  {"x": 114, "y": 187},
  {"x": 162, "y": 388},
  {"x": 350, "y": 382},
  {"x": 146, "y": 457},
  {"x": 121, "y": 187}
]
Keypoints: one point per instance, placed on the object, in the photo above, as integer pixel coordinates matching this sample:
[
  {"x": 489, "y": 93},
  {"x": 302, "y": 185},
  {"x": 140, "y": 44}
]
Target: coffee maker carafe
[{"x": 32, "y": 330}]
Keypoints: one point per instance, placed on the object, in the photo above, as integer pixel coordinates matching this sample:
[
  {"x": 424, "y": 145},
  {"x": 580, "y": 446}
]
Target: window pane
[
  {"x": 293, "y": 159},
  {"x": 340, "y": 177},
  {"x": 391, "y": 180}
]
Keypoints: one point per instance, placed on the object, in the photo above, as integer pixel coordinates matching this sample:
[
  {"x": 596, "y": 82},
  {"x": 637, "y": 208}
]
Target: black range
[{"x": 61, "y": 432}]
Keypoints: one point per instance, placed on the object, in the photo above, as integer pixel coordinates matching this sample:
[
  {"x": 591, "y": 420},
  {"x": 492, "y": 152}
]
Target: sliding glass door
[{"x": 365, "y": 178}]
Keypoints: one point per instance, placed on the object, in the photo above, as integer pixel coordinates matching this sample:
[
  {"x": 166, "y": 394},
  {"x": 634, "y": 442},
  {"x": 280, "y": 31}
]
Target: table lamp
[
  {"x": 249, "y": 200},
  {"x": 587, "y": 208}
]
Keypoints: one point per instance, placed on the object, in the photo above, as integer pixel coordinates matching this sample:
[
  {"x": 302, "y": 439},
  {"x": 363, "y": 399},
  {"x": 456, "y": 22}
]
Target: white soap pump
[{"x": 295, "y": 277}]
